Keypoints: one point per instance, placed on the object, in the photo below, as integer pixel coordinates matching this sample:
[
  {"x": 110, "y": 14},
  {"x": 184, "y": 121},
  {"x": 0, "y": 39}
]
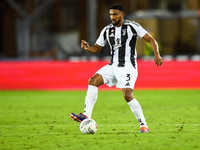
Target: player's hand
[
  {"x": 84, "y": 45},
  {"x": 158, "y": 60}
]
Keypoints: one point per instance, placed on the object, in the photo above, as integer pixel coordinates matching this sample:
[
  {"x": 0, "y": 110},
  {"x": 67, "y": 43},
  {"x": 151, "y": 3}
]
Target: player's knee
[
  {"x": 93, "y": 81},
  {"x": 128, "y": 95},
  {"x": 96, "y": 80},
  {"x": 128, "y": 98}
]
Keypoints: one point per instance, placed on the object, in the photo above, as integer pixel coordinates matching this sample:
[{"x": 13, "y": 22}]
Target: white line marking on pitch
[{"x": 7, "y": 126}]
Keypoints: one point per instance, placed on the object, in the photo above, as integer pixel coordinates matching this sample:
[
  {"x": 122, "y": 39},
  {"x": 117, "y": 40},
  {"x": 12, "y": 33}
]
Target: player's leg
[
  {"x": 92, "y": 93},
  {"x": 102, "y": 76},
  {"x": 90, "y": 99},
  {"x": 126, "y": 78},
  {"x": 135, "y": 108}
]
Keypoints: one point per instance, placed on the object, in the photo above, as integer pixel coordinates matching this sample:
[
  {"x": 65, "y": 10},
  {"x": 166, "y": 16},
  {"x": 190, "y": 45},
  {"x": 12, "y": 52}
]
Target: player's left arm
[{"x": 157, "y": 58}]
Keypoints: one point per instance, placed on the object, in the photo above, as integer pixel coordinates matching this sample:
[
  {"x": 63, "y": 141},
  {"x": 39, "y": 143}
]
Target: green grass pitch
[{"x": 40, "y": 120}]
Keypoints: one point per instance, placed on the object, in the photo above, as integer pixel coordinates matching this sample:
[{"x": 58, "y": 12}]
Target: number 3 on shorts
[{"x": 128, "y": 77}]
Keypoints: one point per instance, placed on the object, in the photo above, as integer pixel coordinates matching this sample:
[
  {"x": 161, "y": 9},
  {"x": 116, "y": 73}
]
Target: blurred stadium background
[{"x": 49, "y": 30}]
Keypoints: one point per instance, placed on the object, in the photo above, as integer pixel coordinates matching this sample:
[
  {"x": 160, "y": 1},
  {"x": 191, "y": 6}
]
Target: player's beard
[{"x": 115, "y": 24}]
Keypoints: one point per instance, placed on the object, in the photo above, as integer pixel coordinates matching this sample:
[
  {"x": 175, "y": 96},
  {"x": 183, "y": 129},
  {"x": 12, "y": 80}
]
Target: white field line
[{"x": 7, "y": 126}]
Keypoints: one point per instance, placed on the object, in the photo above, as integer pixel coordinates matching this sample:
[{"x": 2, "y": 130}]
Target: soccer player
[{"x": 121, "y": 35}]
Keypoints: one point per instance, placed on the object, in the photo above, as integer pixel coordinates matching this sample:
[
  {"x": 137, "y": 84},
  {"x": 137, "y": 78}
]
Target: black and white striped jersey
[{"x": 122, "y": 41}]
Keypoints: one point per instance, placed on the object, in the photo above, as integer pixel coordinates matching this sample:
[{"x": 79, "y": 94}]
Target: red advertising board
[{"x": 66, "y": 75}]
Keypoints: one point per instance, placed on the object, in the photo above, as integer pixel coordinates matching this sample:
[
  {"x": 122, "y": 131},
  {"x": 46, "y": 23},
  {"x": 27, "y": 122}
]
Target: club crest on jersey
[
  {"x": 112, "y": 30},
  {"x": 123, "y": 32}
]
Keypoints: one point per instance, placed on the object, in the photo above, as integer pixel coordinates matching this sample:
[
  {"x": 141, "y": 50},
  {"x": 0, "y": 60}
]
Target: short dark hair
[{"x": 117, "y": 6}]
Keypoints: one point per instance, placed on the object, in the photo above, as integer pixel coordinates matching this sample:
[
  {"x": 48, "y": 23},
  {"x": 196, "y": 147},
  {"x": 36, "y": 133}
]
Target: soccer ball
[{"x": 88, "y": 126}]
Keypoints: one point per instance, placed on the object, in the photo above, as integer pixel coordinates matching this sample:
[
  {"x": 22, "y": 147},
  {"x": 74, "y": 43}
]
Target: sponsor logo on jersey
[
  {"x": 117, "y": 44},
  {"x": 116, "y": 47}
]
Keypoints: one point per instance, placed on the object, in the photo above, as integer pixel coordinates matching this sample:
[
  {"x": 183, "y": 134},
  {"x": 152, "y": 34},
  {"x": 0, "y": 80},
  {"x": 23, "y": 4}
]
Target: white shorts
[{"x": 122, "y": 77}]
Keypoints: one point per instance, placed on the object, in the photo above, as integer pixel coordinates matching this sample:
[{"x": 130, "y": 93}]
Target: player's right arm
[{"x": 92, "y": 49}]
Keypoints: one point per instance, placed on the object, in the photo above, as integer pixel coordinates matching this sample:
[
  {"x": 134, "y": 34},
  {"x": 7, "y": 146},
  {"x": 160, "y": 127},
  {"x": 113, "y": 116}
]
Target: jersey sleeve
[
  {"x": 139, "y": 29},
  {"x": 101, "y": 41}
]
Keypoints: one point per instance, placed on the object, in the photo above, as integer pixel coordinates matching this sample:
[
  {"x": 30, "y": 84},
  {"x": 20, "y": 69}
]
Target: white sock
[
  {"x": 137, "y": 111},
  {"x": 90, "y": 100}
]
